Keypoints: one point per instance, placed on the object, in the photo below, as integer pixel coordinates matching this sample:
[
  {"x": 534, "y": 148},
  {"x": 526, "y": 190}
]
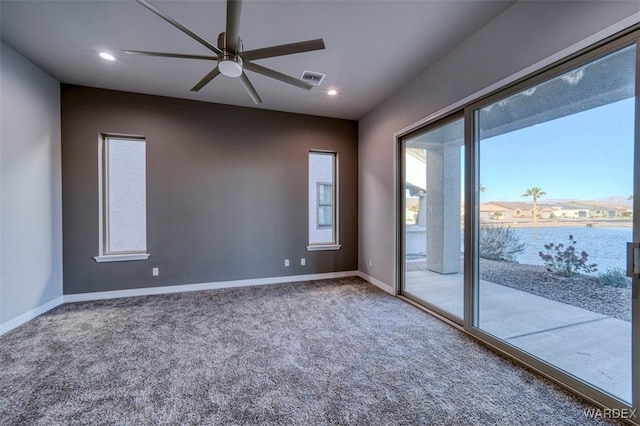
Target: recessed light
[
  {"x": 332, "y": 92},
  {"x": 107, "y": 56}
]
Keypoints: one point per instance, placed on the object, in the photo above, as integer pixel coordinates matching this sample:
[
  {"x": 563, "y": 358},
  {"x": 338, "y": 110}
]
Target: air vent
[{"x": 312, "y": 77}]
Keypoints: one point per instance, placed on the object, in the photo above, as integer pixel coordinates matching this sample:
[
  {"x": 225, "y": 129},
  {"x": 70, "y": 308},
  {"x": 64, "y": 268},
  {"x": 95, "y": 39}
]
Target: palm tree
[{"x": 536, "y": 193}]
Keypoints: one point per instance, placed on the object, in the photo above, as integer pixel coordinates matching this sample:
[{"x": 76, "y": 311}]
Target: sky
[{"x": 583, "y": 156}]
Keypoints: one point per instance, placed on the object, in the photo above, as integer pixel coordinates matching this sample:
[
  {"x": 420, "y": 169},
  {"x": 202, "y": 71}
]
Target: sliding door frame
[
  {"x": 471, "y": 320},
  {"x": 635, "y": 282},
  {"x": 469, "y": 323},
  {"x": 401, "y": 211}
]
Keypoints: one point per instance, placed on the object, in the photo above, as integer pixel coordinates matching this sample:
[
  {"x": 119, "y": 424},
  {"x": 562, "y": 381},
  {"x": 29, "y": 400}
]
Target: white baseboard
[
  {"x": 147, "y": 291},
  {"x": 7, "y": 326},
  {"x": 380, "y": 284},
  {"x": 81, "y": 297}
]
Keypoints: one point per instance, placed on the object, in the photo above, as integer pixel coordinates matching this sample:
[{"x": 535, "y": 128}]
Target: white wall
[
  {"x": 416, "y": 171},
  {"x": 526, "y": 36},
  {"x": 30, "y": 187}
]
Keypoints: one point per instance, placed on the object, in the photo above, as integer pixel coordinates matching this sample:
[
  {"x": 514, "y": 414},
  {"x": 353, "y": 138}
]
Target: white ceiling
[{"x": 372, "y": 47}]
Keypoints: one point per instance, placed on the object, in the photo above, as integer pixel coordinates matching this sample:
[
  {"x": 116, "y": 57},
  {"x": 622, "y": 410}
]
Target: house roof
[
  {"x": 513, "y": 205},
  {"x": 573, "y": 205},
  {"x": 414, "y": 190},
  {"x": 493, "y": 207}
]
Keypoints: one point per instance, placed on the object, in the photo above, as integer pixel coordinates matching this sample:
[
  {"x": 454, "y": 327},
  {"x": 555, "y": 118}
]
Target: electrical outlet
[
  {"x": 303, "y": 262},
  {"x": 286, "y": 262},
  {"x": 155, "y": 272},
  {"x": 370, "y": 263}
]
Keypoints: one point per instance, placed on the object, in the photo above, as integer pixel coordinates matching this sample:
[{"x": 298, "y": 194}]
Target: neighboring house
[
  {"x": 546, "y": 212},
  {"x": 416, "y": 168},
  {"x": 416, "y": 175},
  {"x": 572, "y": 210},
  {"x": 603, "y": 211},
  {"x": 607, "y": 210},
  {"x": 588, "y": 210},
  {"x": 414, "y": 200},
  {"x": 519, "y": 209},
  {"x": 493, "y": 210},
  {"x": 514, "y": 210},
  {"x": 581, "y": 210}
]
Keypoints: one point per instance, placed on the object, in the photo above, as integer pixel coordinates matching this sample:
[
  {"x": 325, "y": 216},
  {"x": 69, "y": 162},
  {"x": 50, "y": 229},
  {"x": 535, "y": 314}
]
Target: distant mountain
[{"x": 615, "y": 200}]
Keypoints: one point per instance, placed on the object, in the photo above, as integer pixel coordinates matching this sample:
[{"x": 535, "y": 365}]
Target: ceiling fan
[{"x": 232, "y": 61}]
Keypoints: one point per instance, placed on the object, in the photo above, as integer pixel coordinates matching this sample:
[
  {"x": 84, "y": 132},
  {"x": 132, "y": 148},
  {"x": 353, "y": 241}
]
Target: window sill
[
  {"x": 121, "y": 257},
  {"x": 323, "y": 247}
]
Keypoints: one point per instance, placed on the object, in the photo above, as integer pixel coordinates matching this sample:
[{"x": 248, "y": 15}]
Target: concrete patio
[{"x": 593, "y": 347}]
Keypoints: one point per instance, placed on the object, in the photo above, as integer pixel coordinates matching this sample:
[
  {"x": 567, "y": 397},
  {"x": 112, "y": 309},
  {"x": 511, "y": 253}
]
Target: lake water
[{"x": 606, "y": 246}]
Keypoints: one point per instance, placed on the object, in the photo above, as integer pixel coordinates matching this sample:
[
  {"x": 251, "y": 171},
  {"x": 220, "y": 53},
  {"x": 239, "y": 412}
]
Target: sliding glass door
[
  {"x": 432, "y": 216},
  {"x": 555, "y": 212},
  {"x": 540, "y": 255}
]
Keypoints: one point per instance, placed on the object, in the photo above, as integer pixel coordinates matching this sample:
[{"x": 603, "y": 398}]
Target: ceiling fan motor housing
[
  {"x": 222, "y": 43},
  {"x": 229, "y": 63}
]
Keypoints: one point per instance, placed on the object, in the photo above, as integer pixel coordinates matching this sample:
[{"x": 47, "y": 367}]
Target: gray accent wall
[
  {"x": 226, "y": 190},
  {"x": 30, "y": 187},
  {"x": 522, "y": 36}
]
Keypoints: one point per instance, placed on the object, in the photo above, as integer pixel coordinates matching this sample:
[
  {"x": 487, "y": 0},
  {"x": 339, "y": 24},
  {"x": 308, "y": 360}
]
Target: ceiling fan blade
[
  {"x": 207, "y": 78},
  {"x": 250, "y": 89},
  {"x": 179, "y": 26},
  {"x": 233, "y": 24},
  {"x": 268, "y": 72},
  {"x": 283, "y": 49},
  {"x": 170, "y": 55}
]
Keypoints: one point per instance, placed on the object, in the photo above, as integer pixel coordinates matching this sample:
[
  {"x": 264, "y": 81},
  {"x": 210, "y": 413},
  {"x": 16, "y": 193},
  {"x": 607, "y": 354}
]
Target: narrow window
[
  {"x": 123, "y": 209},
  {"x": 323, "y": 218}
]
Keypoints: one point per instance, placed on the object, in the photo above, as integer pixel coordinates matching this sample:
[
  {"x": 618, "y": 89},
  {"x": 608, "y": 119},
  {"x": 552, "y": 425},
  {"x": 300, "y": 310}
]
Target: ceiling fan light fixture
[
  {"x": 107, "y": 56},
  {"x": 230, "y": 65}
]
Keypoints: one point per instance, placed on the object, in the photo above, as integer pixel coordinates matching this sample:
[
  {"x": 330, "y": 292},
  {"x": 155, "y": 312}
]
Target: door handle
[{"x": 633, "y": 260}]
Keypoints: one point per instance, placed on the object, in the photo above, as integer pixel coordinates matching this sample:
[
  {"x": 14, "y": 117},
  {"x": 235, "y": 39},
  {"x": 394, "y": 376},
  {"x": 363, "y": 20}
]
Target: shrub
[
  {"x": 615, "y": 277},
  {"x": 565, "y": 261},
  {"x": 499, "y": 243}
]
